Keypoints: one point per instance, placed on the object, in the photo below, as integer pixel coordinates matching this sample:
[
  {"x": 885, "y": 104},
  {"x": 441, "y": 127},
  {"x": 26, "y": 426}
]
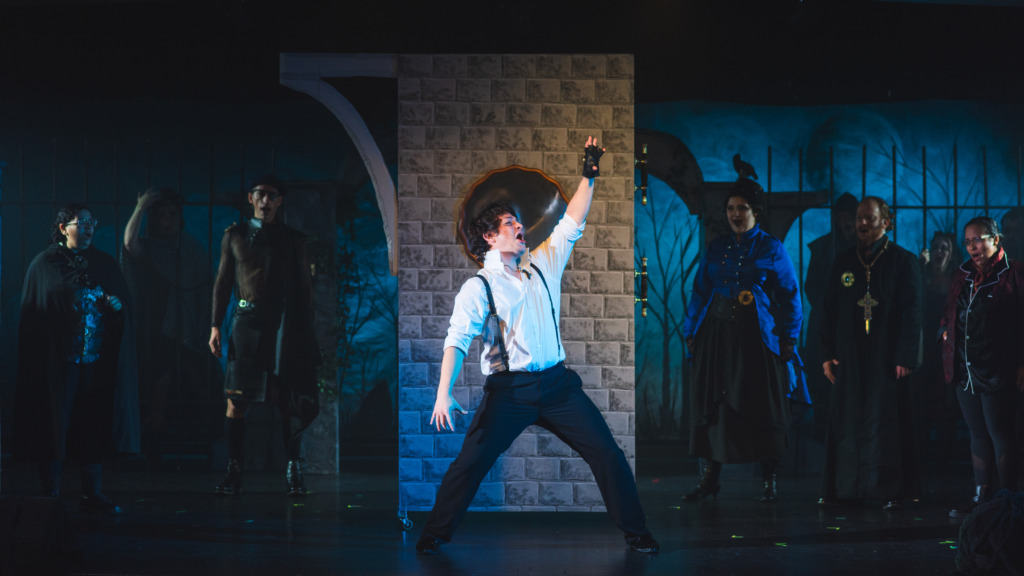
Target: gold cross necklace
[{"x": 867, "y": 302}]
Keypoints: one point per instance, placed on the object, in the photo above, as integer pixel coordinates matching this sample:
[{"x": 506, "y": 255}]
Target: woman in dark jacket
[
  {"x": 983, "y": 354},
  {"x": 76, "y": 394},
  {"x": 741, "y": 325}
]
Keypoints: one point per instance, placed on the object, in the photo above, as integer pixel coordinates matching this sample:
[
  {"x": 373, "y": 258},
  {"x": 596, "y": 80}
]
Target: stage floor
[{"x": 173, "y": 524}]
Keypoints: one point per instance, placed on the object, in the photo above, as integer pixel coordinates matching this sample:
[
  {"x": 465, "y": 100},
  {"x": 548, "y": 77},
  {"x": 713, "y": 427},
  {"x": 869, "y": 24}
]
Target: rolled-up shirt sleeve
[{"x": 468, "y": 317}]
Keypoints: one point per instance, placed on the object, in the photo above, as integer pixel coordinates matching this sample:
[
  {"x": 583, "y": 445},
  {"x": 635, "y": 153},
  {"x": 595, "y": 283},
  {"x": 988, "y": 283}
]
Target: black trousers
[
  {"x": 990, "y": 419},
  {"x": 554, "y": 400}
]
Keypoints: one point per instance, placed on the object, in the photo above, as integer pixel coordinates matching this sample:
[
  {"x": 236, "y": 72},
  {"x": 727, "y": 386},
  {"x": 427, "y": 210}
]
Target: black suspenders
[
  {"x": 558, "y": 337},
  {"x": 497, "y": 321}
]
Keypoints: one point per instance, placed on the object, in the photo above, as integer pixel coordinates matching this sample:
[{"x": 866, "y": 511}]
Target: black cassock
[
  {"x": 110, "y": 413},
  {"x": 870, "y": 445}
]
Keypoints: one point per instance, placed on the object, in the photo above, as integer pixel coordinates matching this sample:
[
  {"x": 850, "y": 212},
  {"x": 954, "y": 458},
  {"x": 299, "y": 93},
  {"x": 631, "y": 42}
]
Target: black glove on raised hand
[{"x": 592, "y": 155}]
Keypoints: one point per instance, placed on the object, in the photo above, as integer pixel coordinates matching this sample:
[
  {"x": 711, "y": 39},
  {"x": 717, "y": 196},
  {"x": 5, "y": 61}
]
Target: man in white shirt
[{"x": 523, "y": 358}]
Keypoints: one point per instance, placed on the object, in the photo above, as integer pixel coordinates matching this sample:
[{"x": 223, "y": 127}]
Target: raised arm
[
  {"x": 131, "y": 230},
  {"x": 579, "y": 206}
]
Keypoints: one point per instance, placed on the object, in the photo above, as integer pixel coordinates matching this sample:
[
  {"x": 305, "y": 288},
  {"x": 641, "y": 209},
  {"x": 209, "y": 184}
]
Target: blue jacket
[{"x": 757, "y": 263}]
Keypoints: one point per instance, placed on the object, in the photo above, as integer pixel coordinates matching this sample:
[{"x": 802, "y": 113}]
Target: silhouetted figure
[
  {"x": 168, "y": 273},
  {"x": 938, "y": 406},
  {"x": 823, "y": 250}
]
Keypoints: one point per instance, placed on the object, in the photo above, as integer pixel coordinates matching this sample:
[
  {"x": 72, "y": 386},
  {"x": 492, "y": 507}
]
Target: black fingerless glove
[{"x": 592, "y": 155}]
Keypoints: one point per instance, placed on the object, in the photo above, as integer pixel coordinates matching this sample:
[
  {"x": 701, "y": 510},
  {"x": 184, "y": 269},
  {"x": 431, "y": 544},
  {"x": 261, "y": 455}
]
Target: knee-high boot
[
  {"x": 293, "y": 446},
  {"x": 234, "y": 432}
]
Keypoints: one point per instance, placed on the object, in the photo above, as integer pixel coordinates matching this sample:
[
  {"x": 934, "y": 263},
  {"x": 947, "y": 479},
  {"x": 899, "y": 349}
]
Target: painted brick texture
[{"x": 461, "y": 116}]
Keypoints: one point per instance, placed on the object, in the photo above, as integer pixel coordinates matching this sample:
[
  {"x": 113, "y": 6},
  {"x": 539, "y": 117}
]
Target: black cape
[
  {"x": 46, "y": 305},
  {"x": 870, "y": 446}
]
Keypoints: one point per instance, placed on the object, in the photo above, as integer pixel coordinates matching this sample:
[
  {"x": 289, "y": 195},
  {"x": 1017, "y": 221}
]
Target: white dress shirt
[{"x": 527, "y": 323}]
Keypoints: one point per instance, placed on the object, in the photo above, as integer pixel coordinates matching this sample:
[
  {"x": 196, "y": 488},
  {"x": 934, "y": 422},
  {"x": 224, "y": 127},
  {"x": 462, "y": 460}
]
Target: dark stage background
[{"x": 102, "y": 99}]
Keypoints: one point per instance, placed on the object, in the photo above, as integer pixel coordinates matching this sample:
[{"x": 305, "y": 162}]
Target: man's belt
[{"x": 247, "y": 304}]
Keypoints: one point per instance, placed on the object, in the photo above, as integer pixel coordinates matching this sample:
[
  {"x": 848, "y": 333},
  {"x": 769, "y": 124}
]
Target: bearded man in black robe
[
  {"x": 870, "y": 337},
  {"x": 272, "y": 351}
]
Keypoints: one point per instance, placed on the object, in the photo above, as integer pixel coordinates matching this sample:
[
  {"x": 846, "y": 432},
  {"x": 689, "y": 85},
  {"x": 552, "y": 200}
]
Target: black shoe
[
  {"x": 645, "y": 544},
  {"x": 296, "y": 487},
  {"x": 232, "y": 483},
  {"x": 98, "y": 503},
  {"x": 708, "y": 485},
  {"x": 428, "y": 545},
  {"x": 980, "y": 497},
  {"x": 892, "y": 505}
]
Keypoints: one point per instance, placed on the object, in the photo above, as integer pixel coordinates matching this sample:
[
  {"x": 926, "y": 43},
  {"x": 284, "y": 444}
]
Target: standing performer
[
  {"x": 983, "y": 355},
  {"x": 742, "y": 325},
  {"x": 168, "y": 272},
  {"x": 871, "y": 338},
  {"x": 523, "y": 358},
  {"x": 272, "y": 351},
  {"x": 77, "y": 387}
]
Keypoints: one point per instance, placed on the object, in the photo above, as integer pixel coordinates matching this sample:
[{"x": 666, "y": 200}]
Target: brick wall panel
[
  {"x": 486, "y": 114},
  {"x": 437, "y": 89},
  {"x": 576, "y": 91},
  {"x": 451, "y": 114},
  {"x": 473, "y": 90},
  {"x": 461, "y": 116},
  {"x": 411, "y": 137},
  {"x": 519, "y": 66},
  {"x": 508, "y": 90},
  {"x": 441, "y": 138},
  {"x": 526, "y": 159},
  {"x": 554, "y": 66},
  {"x": 450, "y": 66},
  {"x": 484, "y": 65}
]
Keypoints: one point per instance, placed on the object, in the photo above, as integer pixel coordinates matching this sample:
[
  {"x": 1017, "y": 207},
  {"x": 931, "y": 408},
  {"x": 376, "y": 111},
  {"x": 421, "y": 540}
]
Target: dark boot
[
  {"x": 981, "y": 496},
  {"x": 232, "y": 483},
  {"x": 769, "y": 476},
  {"x": 296, "y": 487},
  {"x": 234, "y": 433},
  {"x": 708, "y": 485},
  {"x": 93, "y": 499}
]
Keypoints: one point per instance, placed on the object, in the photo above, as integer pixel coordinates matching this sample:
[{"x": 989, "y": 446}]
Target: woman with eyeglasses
[
  {"x": 76, "y": 396},
  {"x": 983, "y": 355}
]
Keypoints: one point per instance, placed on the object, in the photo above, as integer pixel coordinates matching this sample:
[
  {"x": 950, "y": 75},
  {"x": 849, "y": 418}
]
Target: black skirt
[
  {"x": 252, "y": 354},
  {"x": 739, "y": 410}
]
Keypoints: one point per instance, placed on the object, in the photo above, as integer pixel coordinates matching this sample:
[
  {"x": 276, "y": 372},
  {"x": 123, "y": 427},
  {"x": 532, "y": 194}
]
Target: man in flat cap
[{"x": 272, "y": 351}]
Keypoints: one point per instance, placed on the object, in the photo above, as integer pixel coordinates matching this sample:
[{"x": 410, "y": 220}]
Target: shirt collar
[{"x": 492, "y": 261}]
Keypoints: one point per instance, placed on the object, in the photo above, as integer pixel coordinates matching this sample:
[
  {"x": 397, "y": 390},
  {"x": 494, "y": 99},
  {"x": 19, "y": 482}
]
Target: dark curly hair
[
  {"x": 748, "y": 190},
  {"x": 66, "y": 214},
  {"x": 486, "y": 222}
]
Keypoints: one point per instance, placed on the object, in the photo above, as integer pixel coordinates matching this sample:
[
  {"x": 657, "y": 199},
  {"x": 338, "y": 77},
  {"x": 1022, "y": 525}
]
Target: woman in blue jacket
[{"x": 742, "y": 325}]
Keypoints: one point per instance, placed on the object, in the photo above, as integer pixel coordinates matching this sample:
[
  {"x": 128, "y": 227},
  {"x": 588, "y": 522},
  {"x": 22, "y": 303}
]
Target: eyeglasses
[
  {"x": 88, "y": 223},
  {"x": 977, "y": 240}
]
